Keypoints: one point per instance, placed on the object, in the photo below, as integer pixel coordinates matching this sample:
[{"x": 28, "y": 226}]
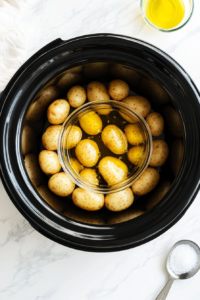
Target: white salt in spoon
[{"x": 183, "y": 262}]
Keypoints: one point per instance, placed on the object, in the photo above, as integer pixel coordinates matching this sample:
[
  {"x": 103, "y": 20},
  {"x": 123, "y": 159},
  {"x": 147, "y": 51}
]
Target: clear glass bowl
[
  {"x": 73, "y": 119},
  {"x": 189, "y": 8}
]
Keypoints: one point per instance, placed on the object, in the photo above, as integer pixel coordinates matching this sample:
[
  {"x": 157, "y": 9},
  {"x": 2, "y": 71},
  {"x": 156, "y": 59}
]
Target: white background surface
[{"x": 33, "y": 267}]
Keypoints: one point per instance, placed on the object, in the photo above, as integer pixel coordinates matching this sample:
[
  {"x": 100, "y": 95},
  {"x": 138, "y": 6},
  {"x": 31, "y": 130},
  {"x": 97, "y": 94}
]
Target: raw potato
[
  {"x": 28, "y": 139},
  {"x": 74, "y": 137},
  {"x": 76, "y": 165},
  {"x": 160, "y": 153},
  {"x": 76, "y": 96},
  {"x": 147, "y": 182},
  {"x": 120, "y": 200},
  {"x": 134, "y": 134},
  {"x": 49, "y": 162},
  {"x": 87, "y": 152},
  {"x": 43, "y": 100},
  {"x": 118, "y": 89},
  {"x": 123, "y": 216},
  {"x": 91, "y": 123},
  {"x": 136, "y": 154},
  {"x": 115, "y": 139},
  {"x": 160, "y": 191},
  {"x": 156, "y": 123},
  {"x": 50, "y": 137},
  {"x": 33, "y": 169},
  {"x": 58, "y": 111},
  {"x": 98, "y": 91},
  {"x": 90, "y": 175},
  {"x": 173, "y": 121},
  {"x": 69, "y": 79},
  {"x": 87, "y": 200},
  {"x": 61, "y": 185},
  {"x": 139, "y": 103},
  {"x": 94, "y": 70},
  {"x": 113, "y": 170},
  {"x": 50, "y": 198}
]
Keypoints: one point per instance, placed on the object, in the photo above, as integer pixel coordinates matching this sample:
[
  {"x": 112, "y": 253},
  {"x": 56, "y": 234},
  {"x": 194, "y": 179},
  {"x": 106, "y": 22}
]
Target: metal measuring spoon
[{"x": 172, "y": 276}]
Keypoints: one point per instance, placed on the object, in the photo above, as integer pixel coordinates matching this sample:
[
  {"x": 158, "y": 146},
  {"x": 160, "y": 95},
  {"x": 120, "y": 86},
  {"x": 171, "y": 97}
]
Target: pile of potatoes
[{"x": 112, "y": 169}]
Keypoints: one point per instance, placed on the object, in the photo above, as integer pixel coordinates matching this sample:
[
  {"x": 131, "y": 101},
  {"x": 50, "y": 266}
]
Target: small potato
[
  {"x": 160, "y": 153},
  {"x": 87, "y": 200},
  {"x": 87, "y": 152},
  {"x": 120, "y": 200},
  {"x": 134, "y": 134},
  {"x": 139, "y": 103},
  {"x": 50, "y": 198},
  {"x": 74, "y": 137},
  {"x": 76, "y": 96},
  {"x": 118, "y": 89},
  {"x": 156, "y": 123},
  {"x": 90, "y": 175},
  {"x": 136, "y": 154},
  {"x": 76, "y": 165},
  {"x": 69, "y": 79},
  {"x": 33, "y": 169},
  {"x": 28, "y": 139},
  {"x": 58, "y": 111},
  {"x": 91, "y": 123},
  {"x": 115, "y": 139},
  {"x": 98, "y": 91},
  {"x": 61, "y": 185},
  {"x": 113, "y": 170},
  {"x": 50, "y": 137},
  {"x": 49, "y": 162},
  {"x": 97, "y": 69},
  {"x": 147, "y": 182}
]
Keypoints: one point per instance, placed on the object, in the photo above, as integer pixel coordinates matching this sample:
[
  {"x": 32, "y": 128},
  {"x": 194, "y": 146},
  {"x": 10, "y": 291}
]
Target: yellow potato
[
  {"x": 91, "y": 123},
  {"x": 50, "y": 137},
  {"x": 139, "y": 103},
  {"x": 87, "y": 152},
  {"x": 118, "y": 89},
  {"x": 74, "y": 137},
  {"x": 156, "y": 123},
  {"x": 33, "y": 169},
  {"x": 58, "y": 111},
  {"x": 136, "y": 154},
  {"x": 147, "y": 182},
  {"x": 134, "y": 134},
  {"x": 90, "y": 175},
  {"x": 61, "y": 185},
  {"x": 160, "y": 153},
  {"x": 69, "y": 79},
  {"x": 98, "y": 91},
  {"x": 42, "y": 101},
  {"x": 87, "y": 200},
  {"x": 76, "y": 165},
  {"x": 76, "y": 96},
  {"x": 120, "y": 200},
  {"x": 115, "y": 139},
  {"x": 28, "y": 139},
  {"x": 49, "y": 162},
  {"x": 50, "y": 198},
  {"x": 97, "y": 69},
  {"x": 113, "y": 170}
]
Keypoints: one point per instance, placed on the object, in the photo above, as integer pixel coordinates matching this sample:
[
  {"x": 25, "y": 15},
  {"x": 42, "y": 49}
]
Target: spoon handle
[{"x": 163, "y": 294}]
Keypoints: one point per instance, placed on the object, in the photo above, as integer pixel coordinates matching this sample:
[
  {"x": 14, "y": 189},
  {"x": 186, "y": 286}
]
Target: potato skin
[
  {"x": 90, "y": 175},
  {"x": 33, "y": 169},
  {"x": 120, "y": 200},
  {"x": 28, "y": 139},
  {"x": 97, "y": 91},
  {"x": 139, "y": 103},
  {"x": 87, "y": 152},
  {"x": 76, "y": 96},
  {"x": 156, "y": 123},
  {"x": 118, "y": 89},
  {"x": 135, "y": 154},
  {"x": 115, "y": 139},
  {"x": 61, "y": 185},
  {"x": 49, "y": 162},
  {"x": 58, "y": 111},
  {"x": 74, "y": 137},
  {"x": 147, "y": 182},
  {"x": 134, "y": 134},
  {"x": 87, "y": 200},
  {"x": 160, "y": 153},
  {"x": 50, "y": 137},
  {"x": 113, "y": 170},
  {"x": 91, "y": 123},
  {"x": 76, "y": 165}
]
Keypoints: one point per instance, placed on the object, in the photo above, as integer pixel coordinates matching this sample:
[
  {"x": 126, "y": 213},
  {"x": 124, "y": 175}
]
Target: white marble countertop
[{"x": 33, "y": 267}]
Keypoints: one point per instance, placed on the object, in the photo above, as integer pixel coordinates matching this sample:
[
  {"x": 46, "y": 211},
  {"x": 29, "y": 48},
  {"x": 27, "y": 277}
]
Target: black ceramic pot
[{"x": 46, "y": 76}]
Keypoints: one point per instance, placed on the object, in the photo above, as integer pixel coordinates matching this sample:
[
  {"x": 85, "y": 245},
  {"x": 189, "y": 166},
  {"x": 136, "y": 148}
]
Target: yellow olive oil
[{"x": 165, "y": 14}]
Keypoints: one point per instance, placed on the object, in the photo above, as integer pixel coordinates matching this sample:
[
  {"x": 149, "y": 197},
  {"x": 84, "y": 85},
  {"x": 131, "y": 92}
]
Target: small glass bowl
[
  {"x": 73, "y": 119},
  {"x": 189, "y": 8}
]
